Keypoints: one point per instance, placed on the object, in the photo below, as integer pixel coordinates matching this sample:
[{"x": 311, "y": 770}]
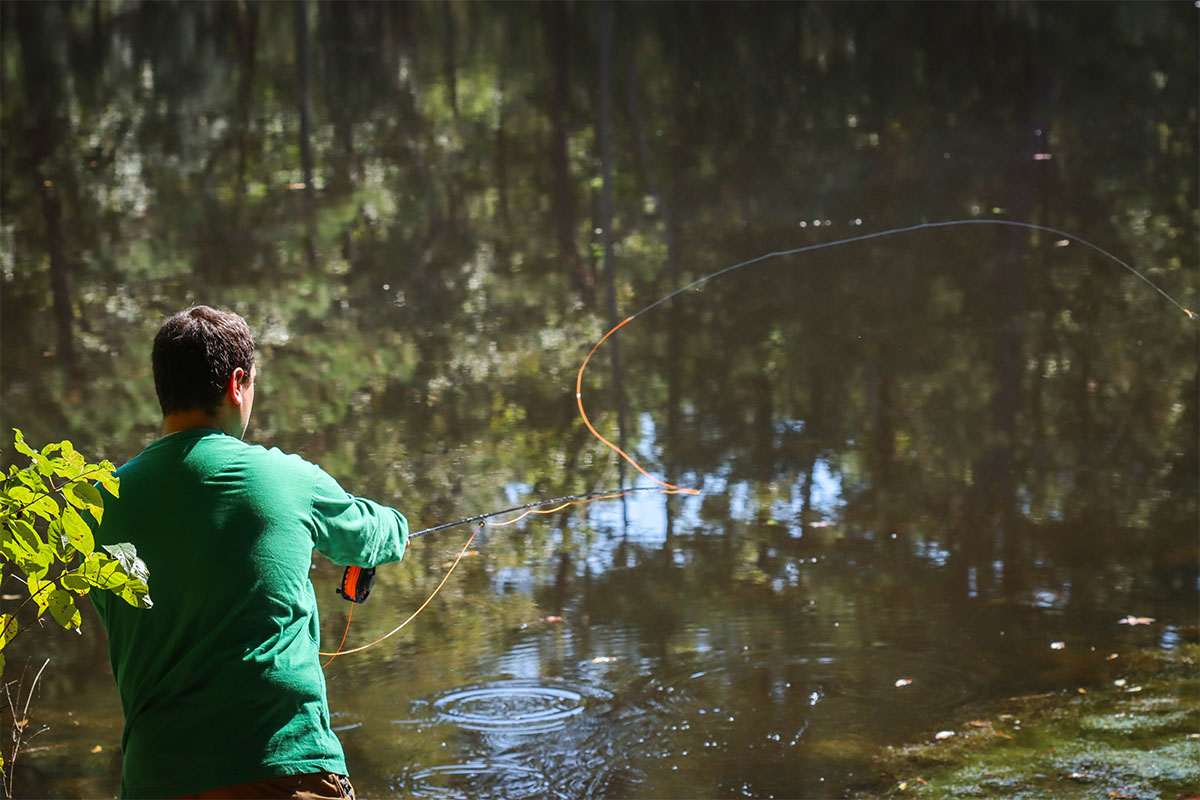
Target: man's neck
[{"x": 186, "y": 420}]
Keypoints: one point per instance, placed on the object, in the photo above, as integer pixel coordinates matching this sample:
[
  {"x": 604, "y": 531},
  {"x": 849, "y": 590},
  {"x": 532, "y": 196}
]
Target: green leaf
[
  {"x": 58, "y": 543},
  {"x": 19, "y": 443},
  {"x": 136, "y": 594},
  {"x": 74, "y": 582},
  {"x": 8, "y": 629},
  {"x": 82, "y": 494},
  {"x": 38, "y": 503},
  {"x": 29, "y": 552},
  {"x": 18, "y": 538},
  {"x": 126, "y": 553},
  {"x": 39, "y": 592},
  {"x": 44, "y": 466},
  {"x": 109, "y": 481},
  {"x": 32, "y": 479},
  {"x": 36, "y": 564},
  {"x": 75, "y": 459},
  {"x": 102, "y": 572},
  {"x": 77, "y": 531},
  {"x": 63, "y": 609}
]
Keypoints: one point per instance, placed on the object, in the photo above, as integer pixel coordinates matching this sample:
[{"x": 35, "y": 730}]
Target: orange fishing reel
[{"x": 357, "y": 583}]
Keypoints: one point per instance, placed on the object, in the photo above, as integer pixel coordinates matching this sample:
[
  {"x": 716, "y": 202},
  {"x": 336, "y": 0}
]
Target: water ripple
[
  {"x": 479, "y": 778},
  {"x": 515, "y": 706}
]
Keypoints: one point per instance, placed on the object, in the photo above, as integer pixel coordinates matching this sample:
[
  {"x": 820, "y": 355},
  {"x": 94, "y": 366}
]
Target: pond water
[{"x": 934, "y": 468}]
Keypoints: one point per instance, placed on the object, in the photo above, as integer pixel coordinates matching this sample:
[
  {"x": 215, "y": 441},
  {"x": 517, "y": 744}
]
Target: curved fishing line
[
  {"x": 669, "y": 488},
  {"x": 411, "y": 617},
  {"x": 908, "y": 229},
  {"x": 335, "y": 653},
  {"x": 821, "y": 246}
]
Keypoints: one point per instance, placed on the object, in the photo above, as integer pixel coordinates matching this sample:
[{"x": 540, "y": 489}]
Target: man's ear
[{"x": 236, "y": 389}]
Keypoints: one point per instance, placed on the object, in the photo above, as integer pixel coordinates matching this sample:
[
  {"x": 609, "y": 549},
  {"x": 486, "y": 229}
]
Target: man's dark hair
[{"x": 195, "y": 353}]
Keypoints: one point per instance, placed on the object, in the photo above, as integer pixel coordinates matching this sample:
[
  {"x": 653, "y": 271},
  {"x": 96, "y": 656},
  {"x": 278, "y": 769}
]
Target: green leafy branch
[{"x": 60, "y": 563}]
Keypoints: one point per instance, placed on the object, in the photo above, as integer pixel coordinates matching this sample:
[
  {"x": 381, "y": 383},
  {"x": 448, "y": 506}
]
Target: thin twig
[{"x": 18, "y": 729}]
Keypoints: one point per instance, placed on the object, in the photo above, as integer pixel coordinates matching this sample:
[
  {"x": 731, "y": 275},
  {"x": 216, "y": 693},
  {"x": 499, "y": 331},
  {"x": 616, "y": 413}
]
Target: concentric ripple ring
[{"x": 514, "y": 706}]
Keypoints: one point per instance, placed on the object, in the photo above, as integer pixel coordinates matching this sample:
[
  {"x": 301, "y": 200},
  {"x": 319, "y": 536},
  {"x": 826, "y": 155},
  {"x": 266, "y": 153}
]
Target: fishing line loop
[
  {"x": 662, "y": 486},
  {"x": 821, "y": 246}
]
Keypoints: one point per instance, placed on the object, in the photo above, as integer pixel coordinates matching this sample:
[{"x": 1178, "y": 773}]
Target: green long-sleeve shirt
[{"x": 220, "y": 681}]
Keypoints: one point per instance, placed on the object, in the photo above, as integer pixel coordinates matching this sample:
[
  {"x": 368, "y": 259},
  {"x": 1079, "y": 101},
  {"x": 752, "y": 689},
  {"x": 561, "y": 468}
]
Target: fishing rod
[
  {"x": 357, "y": 582},
  {"x": 568, "y": 499}
]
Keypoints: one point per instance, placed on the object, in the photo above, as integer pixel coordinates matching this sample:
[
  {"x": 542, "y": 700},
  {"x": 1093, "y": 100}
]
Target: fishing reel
[{"x": 357, "y": 583}]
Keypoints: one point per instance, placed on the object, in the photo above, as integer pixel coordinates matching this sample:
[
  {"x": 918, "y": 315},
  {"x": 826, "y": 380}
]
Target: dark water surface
[{"x": 923, "y": 459}]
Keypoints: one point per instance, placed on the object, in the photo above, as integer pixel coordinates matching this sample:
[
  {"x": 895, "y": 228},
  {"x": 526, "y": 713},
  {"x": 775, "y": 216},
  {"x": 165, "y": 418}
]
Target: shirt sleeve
[{"x": 355, "y": 531}]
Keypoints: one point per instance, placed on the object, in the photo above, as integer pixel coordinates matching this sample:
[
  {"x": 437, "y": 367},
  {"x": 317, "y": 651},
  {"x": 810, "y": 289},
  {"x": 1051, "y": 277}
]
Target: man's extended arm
[{"x": 353, "y": 530}]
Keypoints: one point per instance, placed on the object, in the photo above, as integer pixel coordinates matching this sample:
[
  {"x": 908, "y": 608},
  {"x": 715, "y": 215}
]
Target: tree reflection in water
[{"x": 923, "y": 459}]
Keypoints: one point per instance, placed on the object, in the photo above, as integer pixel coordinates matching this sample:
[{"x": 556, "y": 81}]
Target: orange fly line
[{"x": 669, "y": 488}]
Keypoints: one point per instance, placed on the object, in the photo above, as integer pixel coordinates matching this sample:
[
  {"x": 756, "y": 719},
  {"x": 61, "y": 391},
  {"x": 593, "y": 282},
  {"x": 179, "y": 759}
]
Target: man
[{"x": 220, "y": 680}]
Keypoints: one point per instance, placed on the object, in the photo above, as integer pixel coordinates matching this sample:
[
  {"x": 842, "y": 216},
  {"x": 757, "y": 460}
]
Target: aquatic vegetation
[{"x": 1130, "y": 739}]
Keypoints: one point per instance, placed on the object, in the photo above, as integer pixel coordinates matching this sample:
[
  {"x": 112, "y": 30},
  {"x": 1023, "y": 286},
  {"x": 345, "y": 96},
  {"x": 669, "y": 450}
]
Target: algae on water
[{"x": 1136, "y": 737}]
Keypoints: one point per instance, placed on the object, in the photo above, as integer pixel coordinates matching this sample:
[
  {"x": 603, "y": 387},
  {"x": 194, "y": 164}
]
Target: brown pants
[{"x": 315, "y": 786}]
